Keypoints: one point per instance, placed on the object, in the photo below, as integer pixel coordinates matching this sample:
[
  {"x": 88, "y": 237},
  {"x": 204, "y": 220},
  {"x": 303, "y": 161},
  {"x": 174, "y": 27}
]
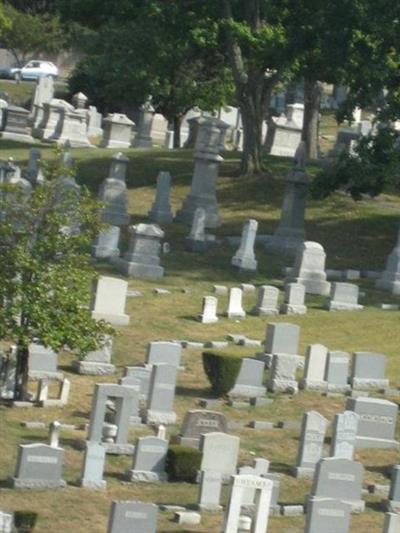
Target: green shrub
[
  {"x": 222, "y": 371},
  {"x": 183, "y": 463},
  {"x": 25, "y": 521}
]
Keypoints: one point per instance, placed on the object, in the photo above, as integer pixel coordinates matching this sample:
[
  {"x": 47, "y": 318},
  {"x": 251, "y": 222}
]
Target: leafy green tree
[
  {"x": 31, "y": 33},
  {"x": 167, "y": 49},
  {"x": 46, "y": 270}
]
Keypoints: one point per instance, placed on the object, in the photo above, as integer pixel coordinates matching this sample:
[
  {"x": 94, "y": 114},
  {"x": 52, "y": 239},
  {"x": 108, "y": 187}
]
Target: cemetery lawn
[{"x": 354, "y": 235}]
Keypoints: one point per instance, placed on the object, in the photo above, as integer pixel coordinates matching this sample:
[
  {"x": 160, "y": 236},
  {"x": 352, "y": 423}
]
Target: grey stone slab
[
  {"x": 377, "y": 423},
  {"x": 294, "y": 300},
  {"x": 149, "y": 460},
  {"x": 164, "y": 352},
  {"x": 282, "y": 337},
  {"x": 283, "y": 373},
  {"x": 327, "y": 515},
  {"x": 235, "y": 309},
  {"x": 132, "y": 516},
  {"x": 340, "y": 479},
  {"x": 141, "y": 374},
  {"x": 337, "y": 371},
  {"x": 314, "y": 369},
  {"x": 267, "y": 301},
  {"x": 39, "y": 466},
  {"x": 199, "y": 422},
  {"x": 93, "y": 467},
  {"x": 368, "y": 371},
  {"x": 220, "y": 453},
  {"x": 311, "y": 443},
  {"x": 159, "y": 407},
  {"x": 344, "y": 297},
  {"x": 344, "y": 435},
  {"x": 209, "y": 311},
  {"x": 108, "y": 300},
  {"x": 161, "y": 212},
  {"x": 244, "y": 258},
  {"x": 249, "y": 382},
  {"x": 309, "y": 269},
  {"x": 210, "y": 491}
]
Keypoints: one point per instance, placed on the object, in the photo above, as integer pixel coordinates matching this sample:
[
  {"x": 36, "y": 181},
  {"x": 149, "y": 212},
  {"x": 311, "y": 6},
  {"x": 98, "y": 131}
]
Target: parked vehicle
[{"x": 33, "y": 70}]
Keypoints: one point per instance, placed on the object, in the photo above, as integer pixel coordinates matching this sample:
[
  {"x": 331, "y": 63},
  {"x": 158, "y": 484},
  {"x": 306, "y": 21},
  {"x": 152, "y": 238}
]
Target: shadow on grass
[
  {"x": 192, "y": 393},
  {"x": 376, "y": 506},
  {"x": 282, "y": 468}
]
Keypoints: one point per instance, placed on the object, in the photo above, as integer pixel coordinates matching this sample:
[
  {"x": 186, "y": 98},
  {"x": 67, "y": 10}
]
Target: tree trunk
[
  {"x": 252, "y": 117},
  {"x": 312, "y": 102},
  {"x": 177, "y": 132},
  {"x": 21, "y": 372}
]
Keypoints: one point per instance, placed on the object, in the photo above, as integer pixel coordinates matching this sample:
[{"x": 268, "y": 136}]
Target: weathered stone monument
[
  {"x": 164, "y": 352},
  {"x": 149, "y": 460},
  {"x": 368, "y": 371},
  {"x": 294, "y": 300},
  {"x": 220, "y": 453},
  {"x": 143, "y": 135},
  {"x": 159, "y": 407},
  {"x": 207, "y": 161},
  {"x": 198, "y": 422},
  {"x": 235, "y": 309},
  {"x": 344, "y": 297},
  {"x": 142, "y": 260},
  {"x": 161, "y": 209},
  {"x": 108, "y": 300},
  {"x": 113, "y": 193},
  {"x": 117, "y": 131},
  {"x": 337, "y": 371},
  {"x": 97, "y": 362},
  {"x": 314, "y": 368},
  {"x": 390, "y": 277},
  {"x": 249, "y": 382},
  {"x": 39, "y": 466},
  {"x": 309, "y": 269},
  {"x": 132, "y": 516},
  {"x": 93, "y": 466},
  {"x": 209, "y": 310},
  {"x": 244, "y": 258},
  {"x": 267, "y": 301},
  {"x": 327, "y": 515},
  {"x": 344, "y": 435},
  {"x": 312, "y": 438},
  {"x": 106, "y": 244}
]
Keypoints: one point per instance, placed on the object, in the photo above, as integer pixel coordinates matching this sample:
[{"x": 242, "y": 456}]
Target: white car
[{"x": 33, "y": 70}]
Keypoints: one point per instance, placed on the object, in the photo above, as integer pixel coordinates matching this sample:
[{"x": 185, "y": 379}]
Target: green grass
[{"x": 354, "y": 235}]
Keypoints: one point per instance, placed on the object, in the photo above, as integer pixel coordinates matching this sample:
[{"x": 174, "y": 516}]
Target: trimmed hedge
[
  {"x": 222, "y": 371},
  {"x": 183, "y": 463},
  {"x": 25, "y": 521}
]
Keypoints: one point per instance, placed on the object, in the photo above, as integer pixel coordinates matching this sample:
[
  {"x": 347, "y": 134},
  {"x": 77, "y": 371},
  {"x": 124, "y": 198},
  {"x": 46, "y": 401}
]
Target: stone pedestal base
[
  {"x": 369, "y": 384},
  {"x": 90, "y": 368},
  {"x": 144, "y": 476},
  {"x": 93, "y": 485},
  {"x": 264, "y": 311},
  {"x": 340, "y": 306},
  {"x": 159, "y": 417},
  {"x": 247, "y": 391},
  {"x": 303, "y": 472},
  {"x": 138, "y": 270},
  {"x": 236, "y": 314},
  {"x": 244, "y": 263},
  {"x": 112, "y": 448},
  {"x": 331, "y": 387},
  {"x": 36, "y": 484},
  {"x": 313, "y": 286},
  {"x": 309, "y": 384},
  {"x": 367, "y": 442},
  {"x": 35, "y": 375},
  {"x": 289, "y": 309},
  {"x": 283, "y": 385},
  {"x": 115, "y": 320}
]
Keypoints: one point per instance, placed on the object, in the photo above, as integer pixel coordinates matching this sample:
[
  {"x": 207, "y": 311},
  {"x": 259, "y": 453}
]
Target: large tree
[
  {"x": 45, "y": 273},
  {"x": 167, "y": 49}
]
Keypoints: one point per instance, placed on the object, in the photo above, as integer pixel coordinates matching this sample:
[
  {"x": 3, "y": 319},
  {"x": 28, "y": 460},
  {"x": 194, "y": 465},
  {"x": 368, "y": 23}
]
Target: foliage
[
  {"x": 183, "y": 463},
  {"x": 32, "y": 33},
  {"x": 222, "y": 371},
  {"x": 373, "y": 166},
  {"x": 45, "y": 238},
  {"x": 25, "y": 521},
  {"x": 162, "y": 49}
]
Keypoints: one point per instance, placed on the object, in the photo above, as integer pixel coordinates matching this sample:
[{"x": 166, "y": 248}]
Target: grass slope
[{"x": 354, "y": 235}]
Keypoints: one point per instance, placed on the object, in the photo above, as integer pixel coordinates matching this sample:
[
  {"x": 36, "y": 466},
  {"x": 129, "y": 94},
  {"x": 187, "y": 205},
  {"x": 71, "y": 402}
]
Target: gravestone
[
  {"x": 6, "y": 522},
  {"x": 339, "y": 479},
  {"x": 327, "y": 515},
  {"x": 263, "y": 488},
  {"x": 267, "y": 301},
  {"x": 196, "y": 241},
  {"x": 53, "y": 115},
  {"x": 368, "y": 371},
  {"x": 97, "y": 362},
  {"x": 159, "y": 407},
  {"x": 394, "y": 493},
  {"x": 284, "y": 132},
  {"x": 143, "y": 135},
  {"x": 206, "y": 167},
  {"x": 344, "y": 433},
  {"x": 125, "y": 399},
  {"x": 44, "y": 93},
  {"x": 198, "y": 422},
  {"x": 141, "y": 374},
  {"x": 283, "y": 373},
  {"x": 142, "y": 260},
  {"x": 117, "y": 131},
  {"x": 161, "y": 209},
  {"x": 377, "y": 423},
  {"x": 309, "y": 269},
  {"x": 249, "y": 382},
  {"x": 39, "y": 466},
  {"x": 16, "y": 124},
  {"x": 42, "y": 362},
  {"x": 294, "y": 300},
  {"x": 108, "y": 300},
  {"x": 282, "y": 337},
  {"x": 73, "y": 128},
  {"x": 244, "y": 258},
  {"x": 210, "y": 491},
  {"x": 314, "y": 369},
  {"x": 93, "y": 467},
  {"x": 33, "y": 172},
  {"x": 344, "y": 297},
  {"x": 132, "y": 517},
  {"x": 220, "y": 453},
  {"x": 209, "y": 310},
  {"x": 290, "y": 233},
  {"x": 337, "y": 371},
  {"x": 235, "y": 309},
  {"x": 390, "y": 277},
  {"x": 63, "y": 393},
  {"x": 392, "y": 523},
  {"x": 113, "y": 193},
  {"x": 312, "y": 438},
  {"x": 149, "y": 460},
  {"x": 106, "y": 244},
  {"x": 164, "y": 352},
  {"x": 94, "y": 120}
]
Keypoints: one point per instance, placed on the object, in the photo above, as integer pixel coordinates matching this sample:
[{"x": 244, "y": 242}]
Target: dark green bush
[
  {"x": 222, "y": 371},
  {"x": 25, "y": 521},
  {"x": 183, "y": 463}
]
